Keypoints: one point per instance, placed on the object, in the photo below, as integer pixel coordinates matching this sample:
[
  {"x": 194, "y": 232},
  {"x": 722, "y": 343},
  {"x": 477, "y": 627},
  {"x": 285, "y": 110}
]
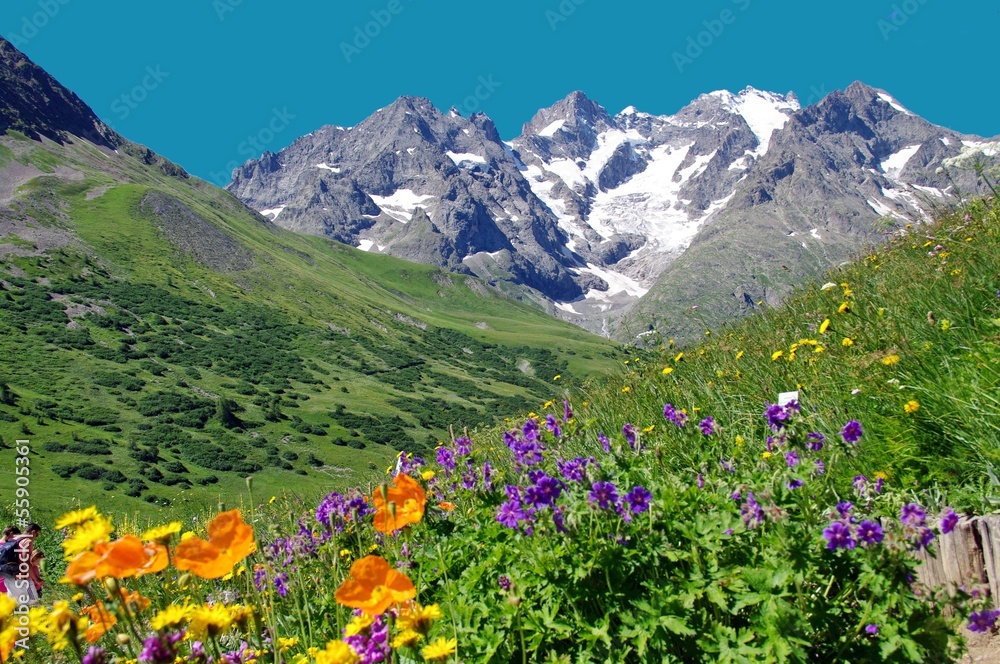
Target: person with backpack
[
  {"x": 19, "y": 566},
  {"x": 8, "y": 535}
]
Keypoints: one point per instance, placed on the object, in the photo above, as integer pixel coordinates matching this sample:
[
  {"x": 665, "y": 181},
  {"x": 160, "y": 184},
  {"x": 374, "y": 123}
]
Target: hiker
[
  {"x": 19, "y": 566},
  {"x": 8, "y": 535}
]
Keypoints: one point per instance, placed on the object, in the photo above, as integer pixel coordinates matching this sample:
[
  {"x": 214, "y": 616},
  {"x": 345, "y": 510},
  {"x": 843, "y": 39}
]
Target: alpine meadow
[{"x": 715, "y": 386}]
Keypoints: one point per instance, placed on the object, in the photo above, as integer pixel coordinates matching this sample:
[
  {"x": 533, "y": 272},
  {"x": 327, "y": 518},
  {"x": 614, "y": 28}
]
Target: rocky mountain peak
[{"x": 35, "y": 104}]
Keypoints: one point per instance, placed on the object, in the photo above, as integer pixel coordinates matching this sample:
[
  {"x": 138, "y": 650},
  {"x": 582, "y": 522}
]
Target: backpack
[{"x": 9, "y": 556}]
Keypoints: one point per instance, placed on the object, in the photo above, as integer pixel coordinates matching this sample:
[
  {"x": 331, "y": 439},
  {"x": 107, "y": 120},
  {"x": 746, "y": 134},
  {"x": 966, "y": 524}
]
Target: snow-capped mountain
[
  {"x": 590, "y": 212},
  {"x": 631, "y": 191}
]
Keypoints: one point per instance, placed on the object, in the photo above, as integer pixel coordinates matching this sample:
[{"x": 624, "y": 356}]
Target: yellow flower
[
  {"x": 557, "y": 377},
  {"x": 766, "y": 455},
  {"x": 649, "y": 429},
  {"x": 427, "y": 475},
  {"x": 7, "y": 606},
  {"x": 843, "y": 307},
  {"x": 285, "y": 644},
  {"x": 739, "y": 440},
  {"x": 86, "y": 535},
  {"x": 824, "y": 326},
  {"x": 439, "y": 650},
  {"x": 626, "y": 389},
  {"x": 667, "y": 371},
  {"x": 911, "y": 406},
  {"x": 777, "y": 354},
  {"x": 172, "y": 616},
  {"x": 546, "y": 405},
  {"x": 890, "y": 360},
  {"x": 210, "y": 621},
  {"x": 679, "y": 357},
  {"x": 419, "y": 618},
  {"x": 406, "y": 639},
  {"x": 847, "y": 342},
  {"x": 77, "y": 518},
  {"x": 818, "y": 349},
  {"x": 336, "y": 652},
  {"x": 358, "y": 624},
  {"x": 161, "y": 533},
  {"x": 271, "y": 501},
  {"x": 739, "y": 355},
  {"x": 945, "y": 325}
]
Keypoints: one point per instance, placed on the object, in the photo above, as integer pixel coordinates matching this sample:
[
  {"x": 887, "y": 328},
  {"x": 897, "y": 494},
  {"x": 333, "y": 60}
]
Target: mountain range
[
  {"x": 161, "y": 341},
  {"x": 623, "y": 223}
]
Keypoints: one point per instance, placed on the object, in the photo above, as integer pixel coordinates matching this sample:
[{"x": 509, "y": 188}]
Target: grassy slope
[
  {"x": 931, "y": 300},
  {"x": 299, "y": 286}
]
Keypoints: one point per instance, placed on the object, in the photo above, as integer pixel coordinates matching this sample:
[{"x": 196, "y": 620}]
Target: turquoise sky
[{"x": 210, "y": 83}]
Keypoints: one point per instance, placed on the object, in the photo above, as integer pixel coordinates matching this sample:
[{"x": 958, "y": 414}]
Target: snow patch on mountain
[
  {"x": 402, "y": 204},
  {"x": 464, "y": 159},
  {"x": 895, "y": 164},
  {"x": 895, "y": 104},
  {"x": 273, "y": 213}
]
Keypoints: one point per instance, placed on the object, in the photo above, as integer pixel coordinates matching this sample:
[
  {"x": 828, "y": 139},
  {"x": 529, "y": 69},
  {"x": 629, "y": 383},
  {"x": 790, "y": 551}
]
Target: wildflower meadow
[{"x": 680, "y": 512}]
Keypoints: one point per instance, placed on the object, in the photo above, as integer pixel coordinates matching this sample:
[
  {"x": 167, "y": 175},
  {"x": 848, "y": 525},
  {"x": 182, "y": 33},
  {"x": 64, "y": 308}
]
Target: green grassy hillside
[
  {"x": 905, "y": 339},
  {"x": 161, "y": 342}
]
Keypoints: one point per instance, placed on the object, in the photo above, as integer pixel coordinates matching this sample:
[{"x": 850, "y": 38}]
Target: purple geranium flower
[
  {"x": 912, "y": 514},
  {"x": 605, "y": 494},
  {"x": 948, "y": 521},
  {"x": 776, "y": 416},
  {"x": 792, "y": 458},
  {"x": 838, "y": 536},
  {"x": 463, "y": 446},
  {"x": 851, "y": 433},
  {"x": 446, "y": 459},
  {"x": 678, "y": 417},
  {"x": 544, "y": 493},
  {"x": 603, "y": 440},
  {"x": 707, "y": 426},
  {"x": 870, "y": 532},
  {"x": 95, "y": 655},
  {"x": 510, "y": 514},
  {"x": 751, "y": 511},
  {"x": 871, "y": 628},
  {"x": 629, "y": 432},
  {"x": 816, "y": 441},
  {"x": 552, "y": 425},
  {"x": 639, "y": 499},
  {"x": 983, "y": 621}
]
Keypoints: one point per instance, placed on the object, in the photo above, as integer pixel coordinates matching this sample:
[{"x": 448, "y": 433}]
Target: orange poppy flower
[
  {"x": 100, "y": 621},
  {"x": 409, "y": 499},
  {"x": 446, "y": 506},
  {"x": 121, "y": 559},
  {"x": 374, "y": 586},
  {"x": 229, "y": 541}
]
